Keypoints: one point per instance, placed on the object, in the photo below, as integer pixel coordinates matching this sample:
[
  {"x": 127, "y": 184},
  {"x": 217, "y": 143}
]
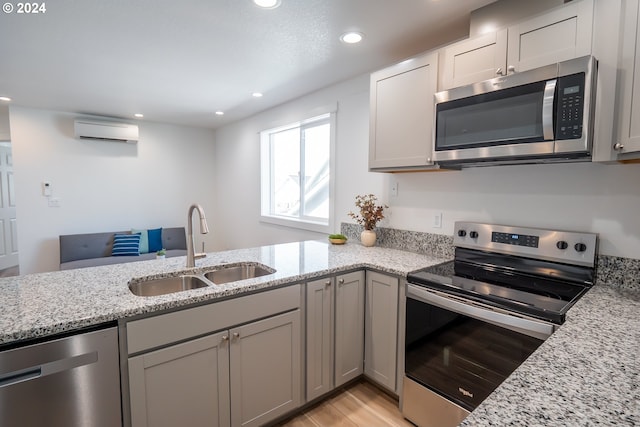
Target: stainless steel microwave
[{"x": 536, "y": 116}]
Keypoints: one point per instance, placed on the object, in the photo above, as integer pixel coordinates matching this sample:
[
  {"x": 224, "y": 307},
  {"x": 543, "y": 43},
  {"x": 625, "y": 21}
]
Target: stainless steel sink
[
  {"x": 237, "y": 272},
  {"x": 166, "y": 285}
]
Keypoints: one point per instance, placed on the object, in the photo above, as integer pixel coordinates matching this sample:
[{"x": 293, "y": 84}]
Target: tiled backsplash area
[
  {"x": 622, "y": 273},
  {"x": 414, "y": 241}
]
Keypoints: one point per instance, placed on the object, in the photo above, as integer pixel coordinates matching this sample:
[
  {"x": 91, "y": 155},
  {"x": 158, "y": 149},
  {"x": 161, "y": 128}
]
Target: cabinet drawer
[{"x": 172, "y": 327}]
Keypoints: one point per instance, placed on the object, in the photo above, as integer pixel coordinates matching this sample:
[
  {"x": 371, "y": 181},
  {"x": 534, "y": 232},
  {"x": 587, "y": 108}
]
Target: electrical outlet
[
  {"x": 54, "y": 202},
  {"x": 394, "y": 189},
  {"x": 437, "y": 220}
]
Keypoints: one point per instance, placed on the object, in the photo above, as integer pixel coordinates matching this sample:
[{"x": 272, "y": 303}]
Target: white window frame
[{"x": 305, "y": 223}]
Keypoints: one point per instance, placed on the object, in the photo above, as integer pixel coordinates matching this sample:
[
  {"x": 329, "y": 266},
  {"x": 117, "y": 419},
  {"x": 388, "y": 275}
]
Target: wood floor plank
[
  {"x": 327, "y": 415},
  {"x": 358, "y": 405},
  {"x": 356, "y": 411},
  {"x": 379, "y": 402}
]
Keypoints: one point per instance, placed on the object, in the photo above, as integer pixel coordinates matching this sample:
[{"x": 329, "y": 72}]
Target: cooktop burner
[{"x": 528, "y": 271}]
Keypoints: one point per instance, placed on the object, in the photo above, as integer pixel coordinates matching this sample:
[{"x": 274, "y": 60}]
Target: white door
[{"x": 8, "y": 224}]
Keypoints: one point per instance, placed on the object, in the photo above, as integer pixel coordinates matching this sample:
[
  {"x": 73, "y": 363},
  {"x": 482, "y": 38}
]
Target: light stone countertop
[
  {"x": 39, "y": 305},
  {"x": 586, "y": 373}
]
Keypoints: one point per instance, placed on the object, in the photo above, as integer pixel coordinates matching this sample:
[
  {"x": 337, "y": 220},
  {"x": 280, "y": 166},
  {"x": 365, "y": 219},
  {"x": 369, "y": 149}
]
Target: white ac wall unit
[{"x": 106, "y": 131}]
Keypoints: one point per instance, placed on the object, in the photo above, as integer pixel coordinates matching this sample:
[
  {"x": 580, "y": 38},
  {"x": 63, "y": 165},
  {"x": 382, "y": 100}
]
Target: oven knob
[
  {"x": 562, "y": 245},
  {"x": 462, "y": 233},
  {"x": 580, "y": 247},
  {"x": 473, "y": 234}
]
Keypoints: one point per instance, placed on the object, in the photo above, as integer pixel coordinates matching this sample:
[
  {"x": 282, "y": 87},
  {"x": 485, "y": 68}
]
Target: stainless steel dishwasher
[{"x": 67, "y": 382}]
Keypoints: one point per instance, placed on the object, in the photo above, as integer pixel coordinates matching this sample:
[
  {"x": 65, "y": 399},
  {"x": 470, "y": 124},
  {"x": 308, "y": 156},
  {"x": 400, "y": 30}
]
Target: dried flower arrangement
[{"x": 370, "y": 213}]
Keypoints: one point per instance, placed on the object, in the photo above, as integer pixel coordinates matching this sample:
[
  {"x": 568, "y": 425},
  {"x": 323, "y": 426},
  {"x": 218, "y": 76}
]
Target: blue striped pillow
[{"x": 126, "y": 244}]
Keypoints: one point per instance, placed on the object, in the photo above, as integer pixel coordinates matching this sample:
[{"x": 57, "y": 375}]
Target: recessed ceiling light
[
  {"x": 5, "y": 98},
  {"x": 351, "y": 37},
  {"x": 256, "y": 95},
  {"x": 219, "y": 113},
  {"x": 267, "y": 4},
  {"x": 138, "y": 115}
]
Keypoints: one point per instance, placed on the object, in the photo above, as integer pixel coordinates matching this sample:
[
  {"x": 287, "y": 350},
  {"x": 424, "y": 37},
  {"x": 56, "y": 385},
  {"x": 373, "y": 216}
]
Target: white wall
[
  {"x": 104, "y": 186},
  {"x": 238, "y": 164},
  {"x": 584, "y": 197}
]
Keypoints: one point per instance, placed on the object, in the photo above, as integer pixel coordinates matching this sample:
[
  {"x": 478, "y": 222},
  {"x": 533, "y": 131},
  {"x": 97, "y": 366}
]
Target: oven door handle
[
  {"x": 530, "y": 327},
  {"x": 547, "y": 110}
]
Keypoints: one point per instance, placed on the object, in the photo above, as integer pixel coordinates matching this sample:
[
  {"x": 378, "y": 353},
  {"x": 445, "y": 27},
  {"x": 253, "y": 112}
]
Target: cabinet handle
[
  {"x": 618, "y": 146},
  {"x": 341, "y": 281},
  {"x": 327, "y": 283},
  {"x": 236, "y": 335},
  {"x": 511, "y": 69},
  {"x": 499, "y": 72},
  {"x": 225, "y": 338}
]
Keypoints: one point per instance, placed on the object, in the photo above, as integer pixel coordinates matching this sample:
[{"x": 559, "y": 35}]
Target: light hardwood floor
[{"x": 359, "y": 405}]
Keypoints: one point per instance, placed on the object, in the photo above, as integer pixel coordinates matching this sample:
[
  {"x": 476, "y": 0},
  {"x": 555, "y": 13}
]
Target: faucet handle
[{"x": 199, "y": 255}]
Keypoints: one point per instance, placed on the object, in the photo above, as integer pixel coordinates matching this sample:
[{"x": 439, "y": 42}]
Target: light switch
[{"x": 46, "y": 188}]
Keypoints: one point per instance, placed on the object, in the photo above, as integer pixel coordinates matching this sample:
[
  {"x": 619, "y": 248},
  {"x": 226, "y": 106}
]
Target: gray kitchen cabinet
[
  {"x": 185, "y": 384},
  {"x": 381, "y": 329},
  {"x": 236, "y": 362},
  {"x": 627, "y": 141},
  {"x": 401, "y": 114},
  {"x": 265, "y": 369},
  {"x": 334, "y": 332},
  {"x": 473, "y": 60},
  {"x": 319, "y": 327},
  {"x": 349, "y": 327},
  {"x": 558, "y": 35}
]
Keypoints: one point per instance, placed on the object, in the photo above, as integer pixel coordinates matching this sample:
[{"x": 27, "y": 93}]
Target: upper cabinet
[
  {"x": 561, "y": 34},
  {"x": 474, "y": 60},
  {"x": 401, "y": 114},
  {"x": 627, "y": 142}
]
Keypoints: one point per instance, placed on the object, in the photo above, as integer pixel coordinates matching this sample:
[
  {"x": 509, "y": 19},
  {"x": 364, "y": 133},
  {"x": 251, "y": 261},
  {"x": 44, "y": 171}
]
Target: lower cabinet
[
  {"x": 246, "y": 375},
  {"x": 265, "y": 369},
  {"x": 334, "y": 332},
  {"x": 381, "y": 329},
  {"x": 186, "y": 384}
]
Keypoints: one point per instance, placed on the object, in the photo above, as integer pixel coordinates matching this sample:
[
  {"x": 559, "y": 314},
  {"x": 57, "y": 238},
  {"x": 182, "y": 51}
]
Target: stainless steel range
[{"x": 472, "y": 321}]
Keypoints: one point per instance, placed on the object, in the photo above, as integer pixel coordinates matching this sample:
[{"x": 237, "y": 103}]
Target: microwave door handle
[{"x": 547, "y": 110}]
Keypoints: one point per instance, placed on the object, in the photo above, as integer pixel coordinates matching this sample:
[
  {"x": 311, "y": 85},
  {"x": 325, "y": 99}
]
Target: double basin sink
[{"x": 185, "y": 282}]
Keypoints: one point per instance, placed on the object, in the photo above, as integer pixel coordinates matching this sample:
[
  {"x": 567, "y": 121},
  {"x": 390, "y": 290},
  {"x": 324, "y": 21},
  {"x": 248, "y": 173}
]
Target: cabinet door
[
  {"x": 185, "y": 384},
  {"x": 349, "y": 337},
  {"x": 474, "y": 60},
  {"x": 265, "y": 369},
  {"x": 562, "y": 34},
  {"x": 381, "y": 329},
  {"x": 401, "y": 113},
  {"x": 629, "y": 89},
  {"x": 319, "y": 336}
]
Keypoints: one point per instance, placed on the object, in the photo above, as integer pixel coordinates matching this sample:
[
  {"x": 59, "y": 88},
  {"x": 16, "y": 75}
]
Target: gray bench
[{"x": 89, "y": 250}]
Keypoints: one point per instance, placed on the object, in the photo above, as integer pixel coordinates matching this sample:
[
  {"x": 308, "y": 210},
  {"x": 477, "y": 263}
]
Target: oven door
[{"x": 460, "y": 352}]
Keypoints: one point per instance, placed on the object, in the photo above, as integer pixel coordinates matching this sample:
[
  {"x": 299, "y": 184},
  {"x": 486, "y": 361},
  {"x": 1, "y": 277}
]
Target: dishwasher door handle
[{"x": 49, "y": 368}]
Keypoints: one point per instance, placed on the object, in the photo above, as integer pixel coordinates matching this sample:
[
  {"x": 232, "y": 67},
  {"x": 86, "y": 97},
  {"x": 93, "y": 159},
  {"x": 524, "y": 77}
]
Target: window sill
[{"x": 318, "y": 227}]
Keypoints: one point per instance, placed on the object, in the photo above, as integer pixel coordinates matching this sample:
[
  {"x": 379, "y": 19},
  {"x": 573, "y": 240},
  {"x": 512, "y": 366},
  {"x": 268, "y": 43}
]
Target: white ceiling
[{"x": 180, "y": 61}]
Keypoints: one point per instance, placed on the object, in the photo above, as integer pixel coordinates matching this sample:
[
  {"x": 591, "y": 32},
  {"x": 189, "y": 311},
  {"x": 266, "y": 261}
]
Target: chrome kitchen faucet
[{"x": 204, "y": 229}]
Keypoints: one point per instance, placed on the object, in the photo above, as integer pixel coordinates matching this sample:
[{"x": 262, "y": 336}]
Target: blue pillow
[
  {"x": 144, "y": 240},
  {"x": 126, "y": 245},
  {"x": 155, "y": 239}
]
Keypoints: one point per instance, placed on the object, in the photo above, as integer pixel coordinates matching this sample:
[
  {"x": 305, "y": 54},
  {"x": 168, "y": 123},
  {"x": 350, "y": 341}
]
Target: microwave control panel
[{"x": 570, "y": 106}]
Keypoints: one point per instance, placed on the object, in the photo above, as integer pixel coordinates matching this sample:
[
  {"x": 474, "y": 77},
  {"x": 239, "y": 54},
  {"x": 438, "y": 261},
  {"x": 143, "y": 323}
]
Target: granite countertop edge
[
  {"x": 586, "y": 373},
  {"x": 48, "y": 304}
]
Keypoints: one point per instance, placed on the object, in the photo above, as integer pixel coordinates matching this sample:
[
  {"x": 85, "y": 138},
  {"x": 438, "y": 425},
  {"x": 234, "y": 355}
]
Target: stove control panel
[
  {"x": 515, "y": 239},
  {"x": 562, "y": 246}
]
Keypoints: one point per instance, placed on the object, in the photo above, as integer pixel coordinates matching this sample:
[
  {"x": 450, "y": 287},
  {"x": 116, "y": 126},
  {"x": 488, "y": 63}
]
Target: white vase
[
  {"x": 368, "y": 237},
  {"x": 160, "y": 256}
]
